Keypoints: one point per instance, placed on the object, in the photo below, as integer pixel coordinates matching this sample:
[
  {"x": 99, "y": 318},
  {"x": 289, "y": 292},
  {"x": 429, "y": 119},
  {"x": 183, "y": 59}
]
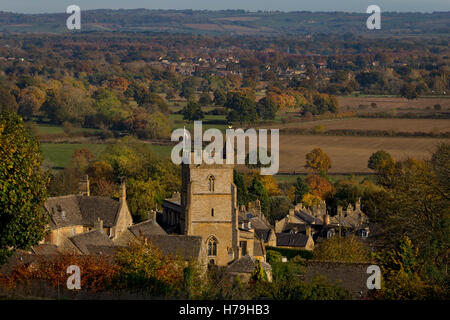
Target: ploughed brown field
[
  {"x": 391, "y": 103},
  {"x": 349, "y": 154},
  {"x": 397, "y": 125}
]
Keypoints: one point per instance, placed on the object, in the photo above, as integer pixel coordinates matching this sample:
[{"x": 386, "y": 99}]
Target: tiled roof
[
  {"x": 93, "y": 242},
  {"x": 81, "y": 210},
  {"x": 304, "y": 216},
  {"x": 188, "y": 247},
  {"x": 258, "y": 249},
  {"x": 45, "y": 249},
  {"x": 291, "y": 239},
  {"x": 246, "y": 264},
  {"x": 146, "y": 228}
]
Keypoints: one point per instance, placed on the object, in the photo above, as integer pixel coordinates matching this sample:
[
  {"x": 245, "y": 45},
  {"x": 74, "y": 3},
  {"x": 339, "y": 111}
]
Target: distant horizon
[
  {"x": 347, "y": 6},
  {"x": 220, "y": 10}
]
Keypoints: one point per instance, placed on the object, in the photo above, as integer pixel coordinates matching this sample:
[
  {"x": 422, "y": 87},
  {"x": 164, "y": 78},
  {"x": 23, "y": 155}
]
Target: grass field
[
  {"x": 58, "y": 155},
  {"x": 45, "y": 129}
]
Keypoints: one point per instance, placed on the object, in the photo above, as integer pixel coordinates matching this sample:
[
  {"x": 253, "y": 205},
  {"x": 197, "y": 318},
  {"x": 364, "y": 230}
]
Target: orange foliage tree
[{"x": 319, "y": 186}]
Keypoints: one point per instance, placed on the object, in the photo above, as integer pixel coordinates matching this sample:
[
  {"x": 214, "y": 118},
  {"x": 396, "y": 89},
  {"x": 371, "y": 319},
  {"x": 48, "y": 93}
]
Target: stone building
[
  {"x": 207, "y": 208},
  {"x": 303, "y": 227},
  {"x": 73, "y": 215}
]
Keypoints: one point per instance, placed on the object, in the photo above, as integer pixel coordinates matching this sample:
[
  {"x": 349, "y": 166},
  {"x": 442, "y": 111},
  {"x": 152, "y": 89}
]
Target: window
[
  {"x": 211, "y": 183},
  {"x": 330, "y": 233},
  {"x": 212, "y": 212},
  {"x": 364, "y": 233},
  {"x": 212, "y": 247}
]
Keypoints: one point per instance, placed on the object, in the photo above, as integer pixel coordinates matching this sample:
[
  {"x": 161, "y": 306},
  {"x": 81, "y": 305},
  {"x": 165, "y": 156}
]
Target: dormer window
[{"x": 211, "y": 183}]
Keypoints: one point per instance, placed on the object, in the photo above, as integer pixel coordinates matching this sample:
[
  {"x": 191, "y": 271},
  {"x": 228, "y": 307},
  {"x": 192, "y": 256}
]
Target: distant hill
[{"x": 236, "y": 22}]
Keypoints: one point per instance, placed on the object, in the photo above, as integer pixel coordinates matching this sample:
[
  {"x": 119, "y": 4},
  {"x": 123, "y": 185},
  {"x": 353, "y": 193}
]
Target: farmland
[
  {"x": 390, "y": 104},
  {"x": 349, "y": 154},
  {"x": 394, "y": 125}
]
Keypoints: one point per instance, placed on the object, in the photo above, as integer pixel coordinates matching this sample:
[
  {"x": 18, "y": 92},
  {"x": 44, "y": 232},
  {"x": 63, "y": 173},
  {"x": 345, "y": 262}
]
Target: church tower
[{"x": 209, "y": 209}]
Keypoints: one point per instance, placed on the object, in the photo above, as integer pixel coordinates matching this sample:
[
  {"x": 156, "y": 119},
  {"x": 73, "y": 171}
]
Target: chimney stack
[
  {"x": 99, "y": 225},
  {"x": 308, "y": 231},
  {"x": 152, "y": 215},
  {"x": 358, "y": 205},
  {"x": 123, "y": 191},
  {"x": 83, "y": 186}
]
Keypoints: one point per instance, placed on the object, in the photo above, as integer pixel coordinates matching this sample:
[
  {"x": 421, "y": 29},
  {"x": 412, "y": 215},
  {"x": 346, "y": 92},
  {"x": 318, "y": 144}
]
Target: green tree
[
  {"x": 266, "y": 109},
  {"x": 23, "y": 187},
  {"x": 379, "y": 159},
  {"x": 301, "y": 188},
  {"x": 192, "y": 111},
  {"x": 204, "y": 99},
  {"x": 279, "y": 206},
  {"x": 220, "y": 97},
  {"x": 242, "y": 107},
  {"x": 257, "y": 191},
  {"x": 242, "y": 192}
]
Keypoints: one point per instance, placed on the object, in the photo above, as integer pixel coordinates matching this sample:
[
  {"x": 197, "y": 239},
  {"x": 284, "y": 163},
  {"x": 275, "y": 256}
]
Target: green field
[
  {"x": 57, "y": 155},
  {"x": 46, "y": 129}
]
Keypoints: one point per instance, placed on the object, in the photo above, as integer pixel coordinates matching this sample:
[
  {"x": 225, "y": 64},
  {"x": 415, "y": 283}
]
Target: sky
[{"x": 50, "y": 6}]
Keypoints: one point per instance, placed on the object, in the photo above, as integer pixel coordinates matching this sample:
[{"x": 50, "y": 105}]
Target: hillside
[{"x": 235, "y": 22}]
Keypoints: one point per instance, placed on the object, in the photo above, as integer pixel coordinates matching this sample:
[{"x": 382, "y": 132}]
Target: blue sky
[{"x": 40, "y": 6}]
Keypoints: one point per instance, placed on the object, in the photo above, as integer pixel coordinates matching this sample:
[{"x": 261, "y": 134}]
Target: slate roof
[
  {"x": 246, "y": 264},
  {"x": 291, "y": 239},
  {"x": 188, "y": 247},
  {"x": 309, "y": 219},
  {"x": 258, "y": 249},
  {"x": 81, "y": 210},
  {"x": 45, "y": 249},
  {"x": 263, "y": 234},
  {"x": 146, "y": 228},
  {"x": 93, "y": 242}
]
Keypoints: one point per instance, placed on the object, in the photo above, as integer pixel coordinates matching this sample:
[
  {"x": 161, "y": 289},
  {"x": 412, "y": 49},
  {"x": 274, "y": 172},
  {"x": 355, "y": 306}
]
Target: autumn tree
[
  {"x": 7, "y": 100},
  {"x": 318, "y": 160},
  {"x": 418, "y": 206},
  {"x": 402, "y": 272},
  {"x": 319, "y": 186},
  {"x": 343, "y": 249},
  {"x": 23, "y": 187},
  {"x": 379, "y": 159},
  {"x": 30, "y": 101}
]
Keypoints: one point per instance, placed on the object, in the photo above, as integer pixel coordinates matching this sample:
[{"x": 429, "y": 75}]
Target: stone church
[{"x": 207, "y": 207}]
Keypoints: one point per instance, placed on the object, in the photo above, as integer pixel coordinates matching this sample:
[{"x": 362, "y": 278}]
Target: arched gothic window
[
  {"x": 211, "y": 183},
  {"x": 212, "y": 247}
]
